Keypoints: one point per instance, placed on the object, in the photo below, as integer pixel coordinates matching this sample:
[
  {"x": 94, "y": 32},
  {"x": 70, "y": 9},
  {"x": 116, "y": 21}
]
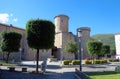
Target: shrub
[
  {"x": 113, "y": 60},
  {"x": 117, "y": 69},
  {"x": 96, "y": 61},
  {"x": 88, "y": 62},
  {"x": 66, "y": 62},
  {"x": 100, "y": 61},
  {"x": 103, "y": 61},
  {"x": 76, "y": 62},
  {"x": 110, "y": 60}
]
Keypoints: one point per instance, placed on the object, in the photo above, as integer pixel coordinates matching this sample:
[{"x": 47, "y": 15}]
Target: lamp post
[
  {"x": 79, "y": 34},
  {"x": 20, "y": 53}
]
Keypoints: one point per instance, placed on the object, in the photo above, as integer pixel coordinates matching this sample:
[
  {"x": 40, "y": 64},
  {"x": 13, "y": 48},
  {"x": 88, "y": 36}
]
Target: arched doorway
[{"x": 54, "y": 52}]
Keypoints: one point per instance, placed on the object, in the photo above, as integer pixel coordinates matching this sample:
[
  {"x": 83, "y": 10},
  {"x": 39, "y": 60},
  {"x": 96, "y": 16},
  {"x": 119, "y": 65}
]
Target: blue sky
[{"x": 102, "y": 16}]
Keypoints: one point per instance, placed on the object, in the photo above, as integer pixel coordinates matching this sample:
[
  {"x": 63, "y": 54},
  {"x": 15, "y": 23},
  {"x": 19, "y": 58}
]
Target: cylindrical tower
[
  {"x": 85, "y": 37},
  {"x": 85, "y": 33},
  {"x": 61, "y": 23}
]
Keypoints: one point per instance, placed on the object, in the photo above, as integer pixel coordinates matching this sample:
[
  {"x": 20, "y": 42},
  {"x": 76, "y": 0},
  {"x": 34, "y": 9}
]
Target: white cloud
[
  {"x": 4, "y": 17},
  {"x": 15, "y": 19}
]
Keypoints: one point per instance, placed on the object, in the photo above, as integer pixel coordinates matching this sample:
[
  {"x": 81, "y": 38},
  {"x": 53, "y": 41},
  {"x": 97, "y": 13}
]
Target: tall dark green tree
[
  {"x": 71, "y": 47},
  {"x": 112, "y": 51},
  {"x": 10, "y": 42},
  {"x": 40, "y": 35},
  {"x": 105, "y": 50},
  {"x": 94, "y": 47}
]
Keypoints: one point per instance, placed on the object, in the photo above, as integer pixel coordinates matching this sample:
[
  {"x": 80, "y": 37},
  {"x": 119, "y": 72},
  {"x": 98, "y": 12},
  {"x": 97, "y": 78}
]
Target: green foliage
[
  {"x": 10, "y": 41},
  {"x": 106, "y": 39},
  {"x": 117, "y": 69},
  {"x": 71, "y": 47},
  {"x": 94, "y": 47},
  {"x": 7, "y": 64},
  {"x": 113, "y": 60},
  {"x": 103, "y": 61},
  {"x": 40, "y": 34},
  {"x": 113, "y": 51},
  {"x": 88, "y": 61},
  {"x": 100, "y": 61},
  {"x": 105, "y": 49},
  {"x": 105, "y": 75},
  {"x": 95, "y": 61},
  {"x": 76, "y": 62},
  {"x": 66, "y": 62}
]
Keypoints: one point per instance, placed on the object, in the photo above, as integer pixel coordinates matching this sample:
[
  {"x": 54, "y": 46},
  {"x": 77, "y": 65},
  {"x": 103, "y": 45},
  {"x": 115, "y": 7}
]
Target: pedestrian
[{"x": 43, "y": 66}]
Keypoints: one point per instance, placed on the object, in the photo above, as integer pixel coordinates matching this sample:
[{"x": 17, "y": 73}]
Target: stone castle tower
[
  {"x": 85, "y": 37},
  {"x": 61, "y": 23},
  {"x": 62, "y": 36}
]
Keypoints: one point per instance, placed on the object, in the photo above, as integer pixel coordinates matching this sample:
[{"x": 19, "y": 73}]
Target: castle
[{"x": 62, "y": 36}]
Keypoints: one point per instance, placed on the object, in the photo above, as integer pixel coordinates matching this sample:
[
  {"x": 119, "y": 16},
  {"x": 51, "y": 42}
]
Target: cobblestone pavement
[
  {"x": 19, "y": 75},
  {"x": 54, "y": 71}
]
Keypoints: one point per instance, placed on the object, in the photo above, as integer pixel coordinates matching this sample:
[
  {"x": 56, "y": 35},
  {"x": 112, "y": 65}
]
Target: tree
[
  {"x": 105, "y": 50},
  {"x": 113, "y": 51},
  {"x": 40, "y": 35},
  {"x": 71, "y": 47},
  {"x": 10, "y": 42},
  {"x": 94, "y": 48}
]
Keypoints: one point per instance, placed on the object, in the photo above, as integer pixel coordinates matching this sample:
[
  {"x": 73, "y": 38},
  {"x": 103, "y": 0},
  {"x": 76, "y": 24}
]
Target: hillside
[{"x": 106, "y": 39}]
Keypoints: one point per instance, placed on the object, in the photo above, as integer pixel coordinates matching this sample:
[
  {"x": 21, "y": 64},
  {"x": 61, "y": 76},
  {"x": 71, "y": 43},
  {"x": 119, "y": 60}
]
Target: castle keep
[{"x": 62, "y": 36}]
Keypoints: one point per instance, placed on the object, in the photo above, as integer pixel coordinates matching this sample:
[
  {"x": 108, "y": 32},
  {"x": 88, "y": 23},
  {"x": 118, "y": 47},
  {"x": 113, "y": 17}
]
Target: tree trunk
[
  {"x": 37, "y": 60},
  {"x": 92, "y": 59},
  {"x": 3, "y": 56},
  {"x": 8, "y": 54}
]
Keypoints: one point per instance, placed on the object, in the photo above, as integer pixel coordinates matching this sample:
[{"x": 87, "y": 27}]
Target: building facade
[
  {"x": 62, "y": 36},
  {"x": 117, "y": 45}
]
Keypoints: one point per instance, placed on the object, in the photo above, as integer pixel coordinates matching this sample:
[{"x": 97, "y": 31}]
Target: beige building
[
  {"x": 62, "y": 36},
  {"x": 25, "y": 52}
]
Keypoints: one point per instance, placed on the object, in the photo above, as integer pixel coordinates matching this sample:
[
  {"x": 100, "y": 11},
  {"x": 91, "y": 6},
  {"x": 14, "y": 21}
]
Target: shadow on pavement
[
  {"x": 27, "y": 75},
  {"x": 53, "y": 67},
  {"x": 48, "y": 66},
  {"x": 96, "y": 66}
]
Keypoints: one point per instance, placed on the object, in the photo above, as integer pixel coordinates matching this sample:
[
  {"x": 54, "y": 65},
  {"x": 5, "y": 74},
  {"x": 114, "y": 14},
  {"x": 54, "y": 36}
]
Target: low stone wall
[
  {"x": 12, "y": 69},
  {"x": 81, "y": 74}
]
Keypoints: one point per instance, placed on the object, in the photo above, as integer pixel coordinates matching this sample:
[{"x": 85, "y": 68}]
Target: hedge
[
  {"x": 75, "y": 62},
  {"x": 113, "y": 60},
  {"x": 95, "y": 61},
  {"x": 66, "y": 62},
  {"x": 88, "y": 61}
]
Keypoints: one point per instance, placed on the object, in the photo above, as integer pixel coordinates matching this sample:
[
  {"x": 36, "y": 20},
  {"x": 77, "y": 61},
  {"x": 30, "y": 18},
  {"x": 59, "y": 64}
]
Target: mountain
[{"x": 106, "y": 39}]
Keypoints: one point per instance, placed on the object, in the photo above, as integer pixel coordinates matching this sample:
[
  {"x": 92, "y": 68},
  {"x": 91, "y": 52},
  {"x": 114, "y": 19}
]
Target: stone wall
[
  {"x": 61, "y": 23},
  {"x": 66, "y": 37},
  {"x": 25, "y": 52},
  {"x": 23, "y": 48}
]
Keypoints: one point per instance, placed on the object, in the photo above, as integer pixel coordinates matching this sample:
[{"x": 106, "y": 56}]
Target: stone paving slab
[
  {"x": 20, "y": 75},
  {"x": 55, "y": 71}
]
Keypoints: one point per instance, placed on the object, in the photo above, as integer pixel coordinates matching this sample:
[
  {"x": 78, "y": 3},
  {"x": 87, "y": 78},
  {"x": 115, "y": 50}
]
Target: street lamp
[
  {"x": 79, "y": 34},
  {"x": 20, "y": 53}
]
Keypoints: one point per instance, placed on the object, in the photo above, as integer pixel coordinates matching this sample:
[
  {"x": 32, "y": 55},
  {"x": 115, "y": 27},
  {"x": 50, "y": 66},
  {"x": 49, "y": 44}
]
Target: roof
[
  {"x": 61, "y": 15},
  {"x": 11, "y": 26}
]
